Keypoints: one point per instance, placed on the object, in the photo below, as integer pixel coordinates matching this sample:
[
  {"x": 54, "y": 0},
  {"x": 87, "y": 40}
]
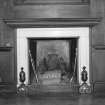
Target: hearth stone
[{"x": 57, "y": 88}]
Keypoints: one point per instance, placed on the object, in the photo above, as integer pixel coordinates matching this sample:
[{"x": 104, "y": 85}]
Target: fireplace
[
  {"x": 52, "y": 55},
  {"x": 52, "y": 60}
]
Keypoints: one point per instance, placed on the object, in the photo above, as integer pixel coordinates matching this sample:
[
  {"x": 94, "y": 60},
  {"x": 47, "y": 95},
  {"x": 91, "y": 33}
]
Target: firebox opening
[{"x": 53, "y": 60}]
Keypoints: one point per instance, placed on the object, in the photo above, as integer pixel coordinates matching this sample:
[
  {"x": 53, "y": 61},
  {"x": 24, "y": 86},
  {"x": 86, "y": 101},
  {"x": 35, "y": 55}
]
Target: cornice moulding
[{"x": 51, "y": 2}]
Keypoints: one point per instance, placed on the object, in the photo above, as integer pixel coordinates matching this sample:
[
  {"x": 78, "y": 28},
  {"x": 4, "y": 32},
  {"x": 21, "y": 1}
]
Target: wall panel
[{"x": 51, "y": 11}]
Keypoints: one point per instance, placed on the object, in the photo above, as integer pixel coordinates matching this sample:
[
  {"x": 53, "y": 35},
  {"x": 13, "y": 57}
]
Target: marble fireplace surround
[{"x": 82, "y": 33}]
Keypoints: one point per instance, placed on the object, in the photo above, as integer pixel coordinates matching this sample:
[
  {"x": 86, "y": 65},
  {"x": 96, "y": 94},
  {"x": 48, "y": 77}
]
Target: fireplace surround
[{"x": 23, "y": 34}]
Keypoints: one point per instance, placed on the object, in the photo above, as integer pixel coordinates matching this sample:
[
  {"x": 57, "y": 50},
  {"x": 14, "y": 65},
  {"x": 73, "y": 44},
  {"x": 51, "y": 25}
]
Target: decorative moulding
[
  {"x": 99, "y": 47},
  {"x": 52, "y": 22},
  {"x": 51, "y": 2},
  {"x": 5, "y": 48}
]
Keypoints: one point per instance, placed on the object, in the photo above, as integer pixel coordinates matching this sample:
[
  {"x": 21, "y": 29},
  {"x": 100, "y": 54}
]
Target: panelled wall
[
  {"x": 57, "y": 9},
  {"x": 7, "y": 51},
  {"x": 97, "y": 9}
]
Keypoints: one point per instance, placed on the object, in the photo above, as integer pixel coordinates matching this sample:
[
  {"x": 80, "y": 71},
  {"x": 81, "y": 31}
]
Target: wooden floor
[{"x": 52, "y": 100}]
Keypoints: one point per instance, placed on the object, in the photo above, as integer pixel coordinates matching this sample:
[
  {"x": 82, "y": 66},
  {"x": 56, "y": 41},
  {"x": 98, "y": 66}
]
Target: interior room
[{"x": 52, "y": 49}]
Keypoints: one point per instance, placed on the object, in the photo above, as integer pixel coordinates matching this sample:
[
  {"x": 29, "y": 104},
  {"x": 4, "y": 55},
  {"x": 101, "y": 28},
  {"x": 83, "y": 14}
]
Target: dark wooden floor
[{"x": 52, "y": 100}]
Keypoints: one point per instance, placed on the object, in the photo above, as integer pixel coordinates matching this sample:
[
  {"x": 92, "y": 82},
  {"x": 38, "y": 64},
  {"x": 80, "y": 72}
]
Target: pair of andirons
[{"x": 84, "y": 87}]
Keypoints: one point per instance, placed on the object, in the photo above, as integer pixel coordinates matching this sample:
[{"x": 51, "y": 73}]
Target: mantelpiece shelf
[{"x": 52, "y": 22}]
